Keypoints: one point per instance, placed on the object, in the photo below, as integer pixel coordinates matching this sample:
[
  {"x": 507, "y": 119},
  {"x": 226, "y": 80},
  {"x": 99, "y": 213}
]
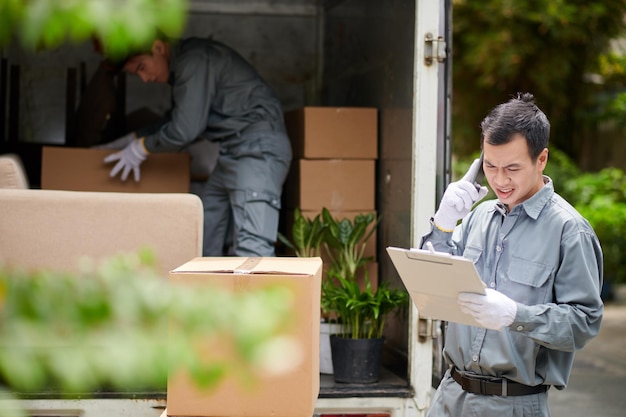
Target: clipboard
[{"x": 434, "y": 280}]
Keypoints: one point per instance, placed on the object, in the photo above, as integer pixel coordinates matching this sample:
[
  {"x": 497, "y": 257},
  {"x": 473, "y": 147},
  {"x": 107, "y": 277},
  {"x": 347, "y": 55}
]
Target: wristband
[
  {"x": 432, "y": 219},
  {"x": 143, "y": 145}
]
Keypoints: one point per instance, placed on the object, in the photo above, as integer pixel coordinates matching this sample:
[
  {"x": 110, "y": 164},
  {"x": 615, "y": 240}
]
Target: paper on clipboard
[{"x": 434, "y": 280}]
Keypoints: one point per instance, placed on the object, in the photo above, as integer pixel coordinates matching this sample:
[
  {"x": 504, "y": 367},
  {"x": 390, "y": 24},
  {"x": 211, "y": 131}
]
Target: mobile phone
[{"x": 480, "y": 174}]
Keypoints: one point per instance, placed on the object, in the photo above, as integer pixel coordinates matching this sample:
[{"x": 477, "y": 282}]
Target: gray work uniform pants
[
  {"x": 451, "y": 401},
  {"x": 241, "y": 198}
]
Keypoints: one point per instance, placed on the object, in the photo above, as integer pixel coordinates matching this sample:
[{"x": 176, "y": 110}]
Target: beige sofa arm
[
  {"x": 12, "y": 173},
  {"x": 55, "y": 229}
]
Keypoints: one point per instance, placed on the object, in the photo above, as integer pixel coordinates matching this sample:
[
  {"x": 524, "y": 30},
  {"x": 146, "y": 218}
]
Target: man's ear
[
  {"x": 158, "y": 47},
  {"x": 543, "y": 158}
]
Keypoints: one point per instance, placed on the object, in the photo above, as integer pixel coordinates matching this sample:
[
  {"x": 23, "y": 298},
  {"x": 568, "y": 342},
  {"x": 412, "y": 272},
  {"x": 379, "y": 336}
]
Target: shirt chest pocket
[{"x": 527, "y": 282}]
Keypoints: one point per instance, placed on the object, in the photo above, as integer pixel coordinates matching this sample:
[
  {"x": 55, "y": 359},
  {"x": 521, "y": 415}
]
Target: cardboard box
[
  {"x": 333, "y": 132},
  {"x": 292, "y": 394},
  {"x": 83, "y": 169},
  {"x": 337, "y": 184}
]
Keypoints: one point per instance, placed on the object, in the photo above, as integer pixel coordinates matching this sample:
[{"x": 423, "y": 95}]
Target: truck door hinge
[
  {"x": 434, "y": 49},
  {"x": 426, "y": 329}
]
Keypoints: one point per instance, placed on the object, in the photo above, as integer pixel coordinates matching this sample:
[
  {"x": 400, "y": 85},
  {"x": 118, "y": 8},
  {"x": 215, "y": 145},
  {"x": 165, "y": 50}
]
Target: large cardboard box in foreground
[
  {"x": 337, "y": 184},
  {"x": 333, "y": 132},
  {"x": 83, "y": 169},
  {"x": 292, "y": 394}
]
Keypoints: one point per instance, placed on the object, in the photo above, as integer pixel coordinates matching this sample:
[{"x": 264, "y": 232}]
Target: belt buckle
[{"x": 500, "y": 383}]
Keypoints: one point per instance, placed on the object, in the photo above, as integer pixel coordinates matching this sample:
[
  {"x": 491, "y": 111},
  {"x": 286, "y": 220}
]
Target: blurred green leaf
[
  {"x": 120, "y": 325},
  {"x": 122, "y": 26}
]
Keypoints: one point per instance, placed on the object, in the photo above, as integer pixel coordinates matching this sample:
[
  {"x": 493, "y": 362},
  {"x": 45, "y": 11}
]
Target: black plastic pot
[{"x": 356, "y": 361}]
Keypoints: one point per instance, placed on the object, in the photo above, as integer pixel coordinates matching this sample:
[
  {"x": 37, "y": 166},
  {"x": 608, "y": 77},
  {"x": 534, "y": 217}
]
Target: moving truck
[{"x": 388, "y": 55}]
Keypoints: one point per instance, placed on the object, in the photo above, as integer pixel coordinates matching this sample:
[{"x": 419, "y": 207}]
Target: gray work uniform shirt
[
  {"x": 219, "y": 96},
  {"x": 546, "y": 257},
  {"x": 216, "y": 95}
]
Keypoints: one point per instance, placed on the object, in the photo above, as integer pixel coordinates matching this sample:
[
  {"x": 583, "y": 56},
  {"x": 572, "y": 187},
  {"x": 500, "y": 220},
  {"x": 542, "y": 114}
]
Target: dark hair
[
  {"x": 518, "y": 115},
  {"x": 143, "y": 50},
  {"x": 115, "y": 64}
]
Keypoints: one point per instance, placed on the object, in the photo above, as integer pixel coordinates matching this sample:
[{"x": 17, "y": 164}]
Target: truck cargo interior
[{"x": 314, "y": 53}]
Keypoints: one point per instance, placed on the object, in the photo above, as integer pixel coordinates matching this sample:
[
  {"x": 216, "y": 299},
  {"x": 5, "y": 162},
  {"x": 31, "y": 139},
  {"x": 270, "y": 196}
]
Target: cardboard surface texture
[
  {"x": 292, "y": 394},
  {"x": 333, "y": 132},
  {"x": 434, "y": 281},
  {"x": 83, "y": 169},
  {"x": 337, "y": 184}
]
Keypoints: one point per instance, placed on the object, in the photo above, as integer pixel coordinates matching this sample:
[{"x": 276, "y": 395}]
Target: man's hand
[
  {"x": 130, "y": 158},
  {"x": 459, "y": 199},
  {"x": 119, "y": 143},
  {"x": 493, "y": 310}
]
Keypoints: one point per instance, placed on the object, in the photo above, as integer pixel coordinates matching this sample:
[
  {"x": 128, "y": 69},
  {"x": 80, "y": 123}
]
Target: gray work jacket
[
  {"x": 216, "y": 95},
  {"x": 546, "y": 257}
]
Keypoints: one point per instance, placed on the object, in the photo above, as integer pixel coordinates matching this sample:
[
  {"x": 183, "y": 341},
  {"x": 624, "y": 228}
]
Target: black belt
[{"x": 495, "y": 386}]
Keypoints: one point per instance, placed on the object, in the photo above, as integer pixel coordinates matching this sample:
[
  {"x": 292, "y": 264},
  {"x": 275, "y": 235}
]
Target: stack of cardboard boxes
[{"x": 334, "y": 164}]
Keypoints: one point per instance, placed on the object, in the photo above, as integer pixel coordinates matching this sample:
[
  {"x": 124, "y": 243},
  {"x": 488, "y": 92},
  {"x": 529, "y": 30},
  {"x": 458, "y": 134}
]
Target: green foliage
[
  {"x": 561, "y": 169},
  {"x": 361, "y": 309},
  {"x": 307, "y": 235},
  {"x": 610, "y": 111},
  {"x": 601, "y": 198},
  {"x": 548, "y": 48},
  {"x": 345, "y": 240},
  {"x": 121, "y": 25},
  {"x": 610, "y": 102},
  {"x": 120, "y": 325},
  {"x": 363, "y": 312},
  {"x": 612, "y": 67},
  {"x": 609, "y": 184},
  {"x": 609, "y": 222}
]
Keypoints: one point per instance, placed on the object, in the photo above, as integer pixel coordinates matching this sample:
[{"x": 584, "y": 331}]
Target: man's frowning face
[{"x": 511, "y": 172}]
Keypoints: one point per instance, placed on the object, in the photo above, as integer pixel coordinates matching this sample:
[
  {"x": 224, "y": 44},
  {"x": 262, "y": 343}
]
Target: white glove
[
  {"x": 119, "y": 143},
  {"x": 459, "y": 198},
  {"x": 493, "y": 311},
  {"x": 128, "y": 159}
]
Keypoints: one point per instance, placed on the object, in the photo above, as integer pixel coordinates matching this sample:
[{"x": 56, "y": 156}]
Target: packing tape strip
[{"x": 248, "y": 265}]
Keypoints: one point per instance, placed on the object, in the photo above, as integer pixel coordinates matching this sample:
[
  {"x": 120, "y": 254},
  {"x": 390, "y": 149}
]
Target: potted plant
[
  {"x": 352, "y": 308},
  {"x": 363, "y": 310}
]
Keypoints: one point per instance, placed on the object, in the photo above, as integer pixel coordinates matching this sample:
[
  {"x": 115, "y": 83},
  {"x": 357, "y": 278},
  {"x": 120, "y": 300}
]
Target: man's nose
[{"x": 501, "y": 177}]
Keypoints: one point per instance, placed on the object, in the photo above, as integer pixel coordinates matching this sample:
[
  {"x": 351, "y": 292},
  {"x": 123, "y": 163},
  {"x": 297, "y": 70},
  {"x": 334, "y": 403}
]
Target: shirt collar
[{"x": 537, "y": 202}]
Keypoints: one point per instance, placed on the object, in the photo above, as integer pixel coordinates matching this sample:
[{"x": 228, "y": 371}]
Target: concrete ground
[{"x": 597, "y": 386}]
